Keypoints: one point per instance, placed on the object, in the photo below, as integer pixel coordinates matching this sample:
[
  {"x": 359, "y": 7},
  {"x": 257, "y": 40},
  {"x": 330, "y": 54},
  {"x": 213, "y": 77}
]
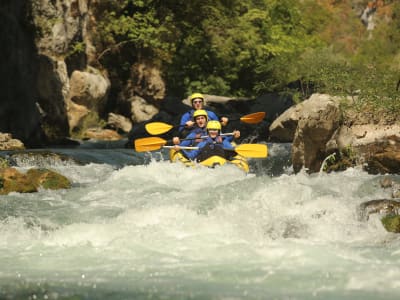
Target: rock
[
  {"x": 380, "y": 206},
  {"x": 386, "y": 182},
  {"x": 318, "y": 121},
  {"x": 318, "y": 130},
  {"x": 119, "y": 122},
  {"x": 141, "y": 110},
  {"x": 47, "y": 179},
  {"x": 11, "y": 180},
  {"x": 61, "y": 23},
  {"x": 53, "y": 86},
  {"x": 391, "y": 223},
  {"x": 101, "y": 134},
  {"x": 382, "y": 156},
  {"x": 89, "y": 89},
  {"x": 284, "y": 127},
  {"x": 76, "y": 113},
  {"x": 8, "y": 143},
  {"x": 310, "y": 125}
]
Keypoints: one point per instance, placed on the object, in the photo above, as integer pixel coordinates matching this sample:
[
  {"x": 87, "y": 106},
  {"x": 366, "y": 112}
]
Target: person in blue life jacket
[
  {"x": 187, "y": 121},
  {"x": 214, "y": 144},
  {"x": 200, "y": 117}
]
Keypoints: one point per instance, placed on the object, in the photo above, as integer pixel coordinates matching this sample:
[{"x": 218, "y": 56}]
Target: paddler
[
  {"x": 187, "y": 121},
  {"x": 200, "y": 117},
  {"x": 214, "y": 144}
]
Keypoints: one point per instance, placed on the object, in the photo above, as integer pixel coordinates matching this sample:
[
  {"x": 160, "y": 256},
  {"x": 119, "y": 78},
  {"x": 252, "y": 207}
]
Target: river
[{"x": 138, "y": 227}]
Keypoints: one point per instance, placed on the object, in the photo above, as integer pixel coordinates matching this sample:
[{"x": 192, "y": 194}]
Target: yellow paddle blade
[
  {"x": 149, "y": 144},
  {"x": 158, "y": 127},
  {"x": 252, "y": 150},
  {"x": 254, "y": 118}
]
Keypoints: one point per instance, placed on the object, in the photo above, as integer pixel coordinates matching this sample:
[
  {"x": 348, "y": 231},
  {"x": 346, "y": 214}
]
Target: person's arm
[
  {"x": 187, "y": 117},
  {"x": 188, "y": 141},
  {"x": 212, "y": 116},
  {"x": 227, "y": 145},
  {"x": 192, "y": 154},
  {"x": 230, "y": 138}
]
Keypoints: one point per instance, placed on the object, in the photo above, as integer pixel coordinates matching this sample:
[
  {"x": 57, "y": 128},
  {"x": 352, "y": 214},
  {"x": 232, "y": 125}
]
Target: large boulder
[
  {"x": 8, "y": 143},
  {"x": 318, "y": 129},
  {"x": 12, "y": 180},
  {"x": 285, "y": 125},
  {"x": 141, "y": 110},
  {"x": 382, "y": 156},
  {"x": 387, "y": 209},
  {"x": 318, "y": 122},
  {"x": 119, "y": 122},
  {"x": 89, "y": 89},
  {"x": 87, "y": 95},
  {"x": 373, "y": 139},
  {"x": 310, "y": 125}
]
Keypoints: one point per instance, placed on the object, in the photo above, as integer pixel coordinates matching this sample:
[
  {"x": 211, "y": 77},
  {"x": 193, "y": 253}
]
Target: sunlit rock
[
  {"x": 317, "y": 123},
  {"x": 119, "y": 122},
  {"x": 8, "y": 143},
  {"x": 141, "y": 110},
  {"x": 89, "y": 89},
  {"x": 12, "y": 180},
  {"x": 101, "y": 134},
  {"x": 48, "y": 179}
]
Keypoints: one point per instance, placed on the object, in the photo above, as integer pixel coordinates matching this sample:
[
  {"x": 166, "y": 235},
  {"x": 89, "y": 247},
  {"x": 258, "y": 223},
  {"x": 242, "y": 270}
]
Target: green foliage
[
  {"x": 146, "y": 28},
  {"x": 340, "y": 161},
  {"x": 250, "y": 47},
  {"x": 78, "y": 47},
  {"x": 240, "y": 43}
]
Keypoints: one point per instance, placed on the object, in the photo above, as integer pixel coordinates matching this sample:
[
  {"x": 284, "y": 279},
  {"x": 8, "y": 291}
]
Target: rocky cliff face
[
  {"x": 18, "y": 72},
  {"x": 51, "y": 81}
]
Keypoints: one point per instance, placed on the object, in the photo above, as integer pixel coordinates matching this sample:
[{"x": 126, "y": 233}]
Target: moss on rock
[
  {"x": 391, "y": 223},
  {"x": 11, "y": 180},
  {"x": 48, "y": 179}
]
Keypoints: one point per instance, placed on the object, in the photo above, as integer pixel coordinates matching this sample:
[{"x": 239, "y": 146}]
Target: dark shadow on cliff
[{"x": 19, "y": 114}]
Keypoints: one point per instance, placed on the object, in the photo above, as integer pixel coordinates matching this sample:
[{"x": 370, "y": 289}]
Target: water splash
[{"x": 164, "y": 231}]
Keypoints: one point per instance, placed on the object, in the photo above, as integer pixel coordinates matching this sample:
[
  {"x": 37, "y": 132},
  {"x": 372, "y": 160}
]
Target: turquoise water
[{"x": 162, "y": 231}]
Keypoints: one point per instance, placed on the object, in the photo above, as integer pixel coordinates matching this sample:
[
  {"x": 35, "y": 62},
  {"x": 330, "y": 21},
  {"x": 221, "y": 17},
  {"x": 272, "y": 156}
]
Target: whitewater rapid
[{"x": 163, "y": 231}]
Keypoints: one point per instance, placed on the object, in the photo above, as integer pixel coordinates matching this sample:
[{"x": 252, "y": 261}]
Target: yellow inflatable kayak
[{"x": 239, "y": 161}]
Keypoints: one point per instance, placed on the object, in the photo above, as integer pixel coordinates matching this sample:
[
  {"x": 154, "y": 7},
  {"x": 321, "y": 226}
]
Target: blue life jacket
[{"x": 212, "y": 147}]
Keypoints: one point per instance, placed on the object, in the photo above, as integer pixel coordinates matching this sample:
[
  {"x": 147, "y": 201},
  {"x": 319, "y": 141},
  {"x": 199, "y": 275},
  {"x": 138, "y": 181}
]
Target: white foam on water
[{"x": 166, "y": 225}]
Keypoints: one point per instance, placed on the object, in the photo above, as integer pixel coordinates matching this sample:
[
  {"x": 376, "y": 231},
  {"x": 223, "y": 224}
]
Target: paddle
[
  {"x": 155, "y": 128},
  {"x": 156, "y": 143}
]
